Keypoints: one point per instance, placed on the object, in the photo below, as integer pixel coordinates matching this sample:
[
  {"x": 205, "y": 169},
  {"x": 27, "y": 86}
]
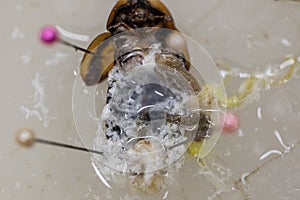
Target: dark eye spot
[{"x": 140, "y": 14}]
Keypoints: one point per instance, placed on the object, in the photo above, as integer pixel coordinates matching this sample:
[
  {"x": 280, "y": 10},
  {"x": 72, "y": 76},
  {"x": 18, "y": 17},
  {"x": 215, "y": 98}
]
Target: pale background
[{"x": 247, "y": 34}]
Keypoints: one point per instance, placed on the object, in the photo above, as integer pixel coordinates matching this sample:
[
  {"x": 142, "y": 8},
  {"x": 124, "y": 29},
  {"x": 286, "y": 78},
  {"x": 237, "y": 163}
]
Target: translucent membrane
[
  {"x": 252, "y": 83},
  {"x": 149, "y": 111}
]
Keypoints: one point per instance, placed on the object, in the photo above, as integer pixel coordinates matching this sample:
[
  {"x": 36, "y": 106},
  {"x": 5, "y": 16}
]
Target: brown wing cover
[{"x": 95, "y": 67}]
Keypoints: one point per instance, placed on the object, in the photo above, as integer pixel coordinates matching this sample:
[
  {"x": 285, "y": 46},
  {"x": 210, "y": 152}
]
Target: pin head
[
  {"x": 231, "y": 122},
  {"x": 49, "y": 35},
  {"x": 25, "y": 137}
]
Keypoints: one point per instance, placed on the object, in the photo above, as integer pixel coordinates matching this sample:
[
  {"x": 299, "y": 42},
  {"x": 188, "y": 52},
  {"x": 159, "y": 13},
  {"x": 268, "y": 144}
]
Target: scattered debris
[
  {"x": 26, "y": 57},
  {"x": 285, "y": 42},
  {"x": 39, "y": 110},
  {"x": 243, "y": 177},
  {"x": 17, "y": 34},
  {"x": 286, "y": 148},
  {"x": 56, "y": 58},
  {"x": 278, "y": 136},
  {"x": 75, "y": 73},
  {"x": 268, "y": 153},
  {"x": 101, "y": 177},
  {"x": 74, "y": 36},
  {"x": 217, "y": 175},
  {"x": 259, "y": 115}
]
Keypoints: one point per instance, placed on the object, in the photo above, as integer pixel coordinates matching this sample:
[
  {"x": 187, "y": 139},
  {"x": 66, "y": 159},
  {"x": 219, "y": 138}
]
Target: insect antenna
[
  {"x": 50, "y": 35},
  {"x": 26, "y": 138}
]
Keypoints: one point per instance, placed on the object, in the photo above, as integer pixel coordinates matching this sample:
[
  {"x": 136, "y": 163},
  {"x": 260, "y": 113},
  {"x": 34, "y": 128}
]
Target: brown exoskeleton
[{"x": 125, "y": 15}]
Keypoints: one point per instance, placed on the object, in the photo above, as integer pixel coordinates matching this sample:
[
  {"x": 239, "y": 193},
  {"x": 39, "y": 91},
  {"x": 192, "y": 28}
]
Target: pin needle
[{"x": 26, "y": 138}]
